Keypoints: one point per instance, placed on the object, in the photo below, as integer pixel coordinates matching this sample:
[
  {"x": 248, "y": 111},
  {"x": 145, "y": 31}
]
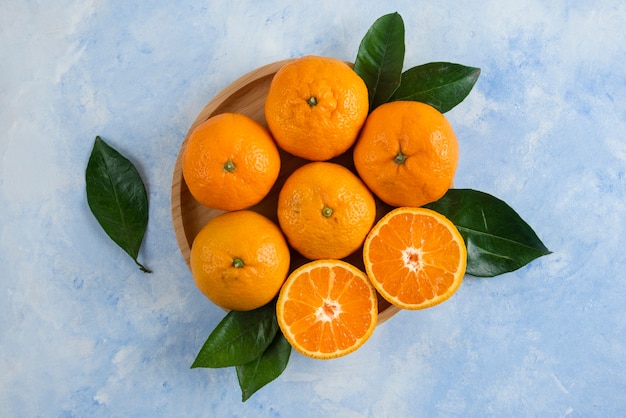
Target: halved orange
[
  {"x": 327, "y": 309},
  {"x": 415, "y": 257}
]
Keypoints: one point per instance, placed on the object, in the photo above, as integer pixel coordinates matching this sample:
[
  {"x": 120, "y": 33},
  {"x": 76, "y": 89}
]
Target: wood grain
[{"x": 246, "y": 95}]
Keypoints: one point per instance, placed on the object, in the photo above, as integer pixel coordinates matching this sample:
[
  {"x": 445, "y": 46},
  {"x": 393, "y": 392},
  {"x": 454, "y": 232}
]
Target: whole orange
[
  {"x": 230, "y": 162},
  {"x": 325, "y": 211},
  {"x": 239, "y": 260},
  {"x": 407, "y": 153},
  {"x": 316, "y": 107}
]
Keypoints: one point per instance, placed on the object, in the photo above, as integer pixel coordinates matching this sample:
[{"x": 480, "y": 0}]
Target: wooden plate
[{"x": 246, "y": 95}]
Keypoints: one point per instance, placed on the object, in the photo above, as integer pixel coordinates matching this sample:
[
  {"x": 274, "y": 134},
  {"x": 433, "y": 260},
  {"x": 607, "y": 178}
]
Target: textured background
[{"x": 84, "y": 333}]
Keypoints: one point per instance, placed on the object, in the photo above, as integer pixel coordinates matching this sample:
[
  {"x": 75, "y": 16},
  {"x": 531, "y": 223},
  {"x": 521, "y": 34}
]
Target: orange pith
[
  {"x": 415, "y": 257},
  {"x": 327, "y": 309}
]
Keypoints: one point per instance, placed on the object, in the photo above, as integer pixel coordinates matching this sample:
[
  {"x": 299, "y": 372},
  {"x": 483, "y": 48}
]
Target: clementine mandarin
[
  {"x": 327, "y": 309},
  {"x": 415, "y": 257},
  {"x": 230, "y": 162},
  {"x": 325, "y": 211},
  {"x": 316, "y": 107},
  {"x": 407, "y": 153},
  {"x": 239, "y": 260}
]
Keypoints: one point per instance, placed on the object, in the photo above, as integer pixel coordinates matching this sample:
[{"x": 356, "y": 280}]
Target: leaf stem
[{"x": 142, "y": 267}]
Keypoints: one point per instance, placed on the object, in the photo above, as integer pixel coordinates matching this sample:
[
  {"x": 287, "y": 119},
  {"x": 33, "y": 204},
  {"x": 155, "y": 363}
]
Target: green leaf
[
  {"x": 380, "y": 58},
  {"x": 442, "y": 85},
  {"x": 239, "y": 338},
  {"x": 117, "y": 198},
  {"x": 261, "y": 371},
  {"x": 498, "y": 240}
]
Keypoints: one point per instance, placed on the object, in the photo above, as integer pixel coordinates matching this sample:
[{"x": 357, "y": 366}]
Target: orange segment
[
  {"x": 327, "y": 309},
  {"x": 415, "y": 257}
]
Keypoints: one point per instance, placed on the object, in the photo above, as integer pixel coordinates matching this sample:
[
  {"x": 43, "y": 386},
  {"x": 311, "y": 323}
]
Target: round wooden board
[{"x": 246, "y": 95}]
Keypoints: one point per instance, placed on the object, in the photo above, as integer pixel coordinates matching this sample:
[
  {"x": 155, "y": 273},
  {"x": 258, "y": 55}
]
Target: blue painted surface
[{"x": 84, "y": 333}]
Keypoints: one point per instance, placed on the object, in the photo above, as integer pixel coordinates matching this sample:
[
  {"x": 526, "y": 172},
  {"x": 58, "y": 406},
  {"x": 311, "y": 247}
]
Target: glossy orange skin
[
  {"x": 230, "y": 162},
  {"x": 240, "y": 260},
  {"x": 407, "y": 153},
  {"x": 325, "y": 210},
  {"x": 316, "y": 107}
]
